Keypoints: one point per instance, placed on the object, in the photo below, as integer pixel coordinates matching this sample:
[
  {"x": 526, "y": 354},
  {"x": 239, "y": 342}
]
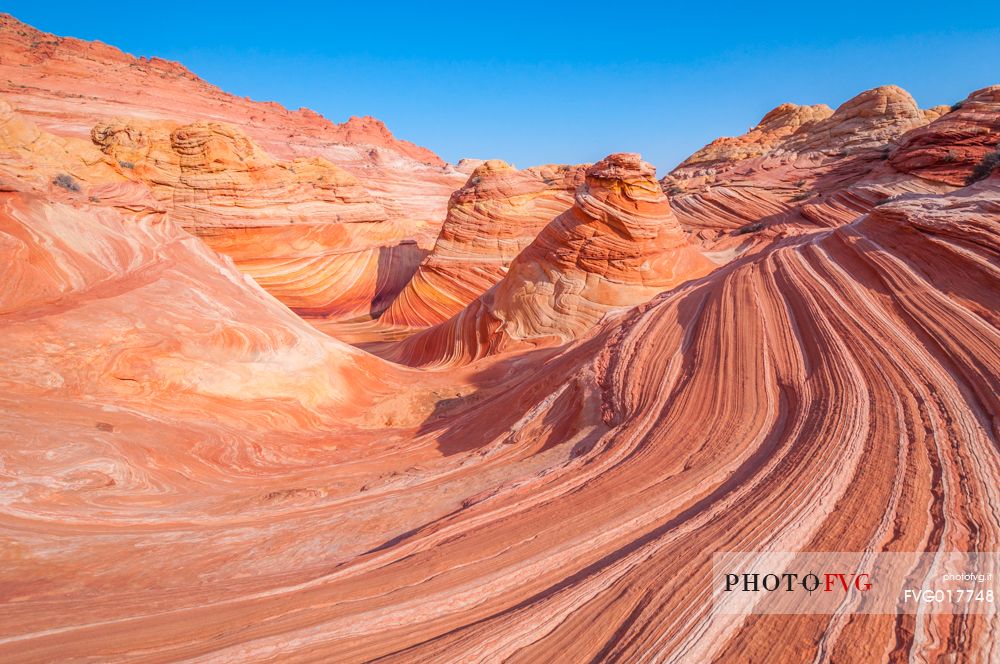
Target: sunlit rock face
[
  {"x": 618, "y": 245},
  {"x": 189, "y": 471},
  {"x": 773, "y": 128},
  {"x": 101, "y": 304},
  {"x": 118, "y": 84},
  {"x": 289, "y": 225},
  {"x": 949, "y": 147},
  {"x": 543, "y": 482},
  {"x": 490, "y": 220},
  {"x": 869, "y": 120},
  {"x": 38, "y": 157},
  {"x": 67, "y": 86},
  {"x": 306, "y": 230},
  {"x": 807, "y": 165}
]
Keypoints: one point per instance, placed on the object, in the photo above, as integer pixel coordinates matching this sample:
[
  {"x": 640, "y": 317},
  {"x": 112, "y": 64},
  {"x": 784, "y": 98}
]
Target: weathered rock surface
[
  {"x": 618, "y": 246},
  {"x": 514, "y": 519},
  {"x": 67, "y": 86},
  {"x": 777, "y": 125},
  {"x": 95, "y": 303},
  {"x": 156, "y": 88},
  {"x": 827, "y": 170},
  {"x": 870, "y": 120},
  {"x": 37, "y": 157},
  {"x": 947, "y": 149},
  {"x": 190, "y": 472},
  {"x": 292, "y": 226},
  {"x": 306, "y": 230},
  {"x": 490, "y": 220}
]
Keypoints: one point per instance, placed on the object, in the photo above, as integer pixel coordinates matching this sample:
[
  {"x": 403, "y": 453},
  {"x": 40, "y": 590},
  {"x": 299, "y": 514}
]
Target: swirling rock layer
[
  {"x": 190, "y": 472},
  {"x": 490, "y": 220},
  {"x": 838, "y": 391},
  {"x": 306, "y": 230},
  {"x": 289, "y": 225},
  {"x": 947, "y": 149},
  {"x": 137, "y": 308},
  {"x": 805, "y": 165},
  {"x": 778, "y": 124},
  {"x": 67, "y": 86},
  {"x": 618, "y": 245}
]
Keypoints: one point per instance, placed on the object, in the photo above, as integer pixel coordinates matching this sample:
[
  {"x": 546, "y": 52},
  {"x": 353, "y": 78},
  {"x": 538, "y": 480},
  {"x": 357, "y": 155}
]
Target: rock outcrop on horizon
[
  {"x": 490, "y": 220},
  {"x": 872, "y": 119},
  {"x": 790, "y": 343},
  {"x": 949, "y": 147},
  {"x": 769, "y": 133},
  {"x": 829, "y": 168},
  {"x": 171, "y": 92},
  {"x": 67, "y": 86}
]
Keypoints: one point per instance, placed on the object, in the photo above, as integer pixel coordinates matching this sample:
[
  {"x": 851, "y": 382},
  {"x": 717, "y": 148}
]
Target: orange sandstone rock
[
  {"x": 190, "y": 472},
  {"x": 141, "y": 311},
  {"x": 67, "y": 86},
  {"x": 829, "y": 165},
  {"x": 948, "y": 148},
  {"x": 870, "y": 120},
  {"x": 618, "y": 246},
  {"x": 490, "y": 220},
  {"x": 289, "y": 225},
  {"x": 777, "y": 125},
  {"x": 556, "y": 505}
]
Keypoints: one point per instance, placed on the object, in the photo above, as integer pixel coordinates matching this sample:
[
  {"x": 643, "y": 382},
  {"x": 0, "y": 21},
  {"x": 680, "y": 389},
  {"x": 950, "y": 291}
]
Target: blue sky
[{"x": 554, "y": 82}]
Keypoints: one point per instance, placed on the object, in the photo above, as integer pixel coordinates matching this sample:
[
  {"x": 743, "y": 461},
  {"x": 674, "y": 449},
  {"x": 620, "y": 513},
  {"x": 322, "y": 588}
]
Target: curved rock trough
[{"x": 569, "y": 385}]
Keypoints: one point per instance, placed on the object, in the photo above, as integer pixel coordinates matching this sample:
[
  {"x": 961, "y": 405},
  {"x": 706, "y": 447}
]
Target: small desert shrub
[
  {"x": 66, "y": 182},
  {"x": 126, "y": 164},
  {"x": 983, "y": 169},
  {"x": 749, "y": 228},
  {"x": 950, "y": 157},
  {"x": 801, "y": 196},
  {"x": 674, "y": 190},
  {"x": 957, "y": 105}
]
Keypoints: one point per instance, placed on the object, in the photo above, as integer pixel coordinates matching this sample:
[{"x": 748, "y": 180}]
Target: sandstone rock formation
[
  {"x": 948, "y": 148},
  {"x": 67, "y": 86},
  {"x": 289, "y": 225},
  {"x": 490, "y": 220},
  {"x": 468, "y": 165},
  {"x": 870, "y": 120},
  {"x": 100, "y": 304},
  {"x": 306, "y": 230},
  {"x": 38, "y": 157},
  {"x": 171, "y": 92},
  {"x": 618, "y": 246},
  {"x": 191, "y": 472},
  {"x": 804, "y": 165},
  {"x": 778, "y": 124},
  {"x": 854, "y": 368}
]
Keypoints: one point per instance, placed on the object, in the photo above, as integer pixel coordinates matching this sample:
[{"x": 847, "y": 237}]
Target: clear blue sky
[{"x": 555, "y": 81}]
